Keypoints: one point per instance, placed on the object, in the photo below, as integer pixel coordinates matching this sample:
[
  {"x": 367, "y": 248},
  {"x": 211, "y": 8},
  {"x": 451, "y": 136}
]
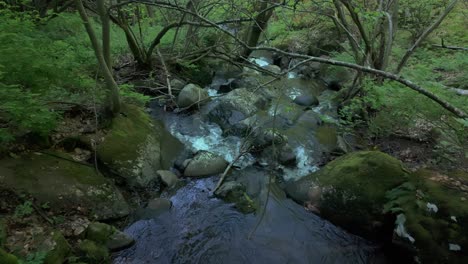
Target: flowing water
[{"x": 202, "y": 229}]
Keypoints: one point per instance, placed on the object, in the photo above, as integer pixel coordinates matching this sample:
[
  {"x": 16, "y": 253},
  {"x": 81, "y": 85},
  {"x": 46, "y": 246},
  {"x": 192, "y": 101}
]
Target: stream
[{"x": 203, "y": 229}]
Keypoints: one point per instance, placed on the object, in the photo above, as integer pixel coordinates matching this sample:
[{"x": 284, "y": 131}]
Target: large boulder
[
  {"x": 432, "y": 221},
  {"x": 57, "y": 179},
  {"x": 205, "y": 164},
  {"x": 352, "y": 190},
  {"x": 137, "y": 146},
  {"x": 192, "y": 95}
]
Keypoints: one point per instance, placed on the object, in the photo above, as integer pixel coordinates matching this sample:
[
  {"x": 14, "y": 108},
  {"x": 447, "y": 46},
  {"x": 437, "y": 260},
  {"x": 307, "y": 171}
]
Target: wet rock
[
  {"x": 168, "y": 177},
  {"x": 205, "y": 164},
  {"x": 353, "y": 189},
  {"x": 66, "y": 185},
  {"x": 6, "y": 258},
  {"x": 107, "y": 235},
  {"x": 235, "y": 106},
  {"x": 273, "y": 68},
  {"x": 93, "y": 253},
  {"x": 234, "y": 192},
  {"x": 137, "y": 146},
  {"x": 306, "y": 100},
  {"x": 56, "y": 248},
  {"x": 192, "y": 95}
]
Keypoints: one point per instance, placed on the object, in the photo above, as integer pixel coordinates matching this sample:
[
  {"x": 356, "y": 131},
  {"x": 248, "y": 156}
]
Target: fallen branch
[{"x": 450, "y": 47}]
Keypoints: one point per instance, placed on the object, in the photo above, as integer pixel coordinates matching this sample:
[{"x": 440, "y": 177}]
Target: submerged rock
[
  {"x": 56, "y": 179},
  {"x": 192, "y": 95},
  {"x": 353, "y": 189},
  {"x": 205, "y": 164},
  {"x": 136, "y": 147}
]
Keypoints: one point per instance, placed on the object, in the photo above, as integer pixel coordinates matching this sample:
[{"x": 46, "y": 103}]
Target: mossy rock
[
  {"x": 56, "y": 179},
  {"x": 352, "y": 190},
  {"x": 57, "y": 248},
  {"x": 6, "y": 258},
  {"x": 234, "y": 192},
  {"x": 93, "y": 253},
  {"x": 436, "y": 211},
  {"x": 136, "y": 146}
]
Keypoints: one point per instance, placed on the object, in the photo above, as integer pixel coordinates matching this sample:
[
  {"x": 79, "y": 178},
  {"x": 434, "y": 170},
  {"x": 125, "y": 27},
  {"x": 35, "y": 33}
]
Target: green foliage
[
  {"x": 24, "y": 210},
  {"x": 35, "y": 258},
  {"x": 131, "y": 96}
]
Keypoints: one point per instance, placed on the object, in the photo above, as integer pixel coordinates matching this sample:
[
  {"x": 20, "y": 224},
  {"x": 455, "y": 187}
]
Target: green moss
[
  {"x": 60, "y": 250},
  {"x": 434, "y": 231},
  {"x": 136, "y": 147},
  {"x": 94, "y": 253},
  {"x": 6, "y": 258},
  {"x": 55, "y": 178}
]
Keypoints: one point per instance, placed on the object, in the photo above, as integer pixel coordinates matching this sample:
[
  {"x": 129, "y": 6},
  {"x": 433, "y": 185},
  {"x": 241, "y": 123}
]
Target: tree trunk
[
  {"x": 424, "y": 35},
  {"x": 259, "y": 25},
  {"x": 105, "y": 22},
  {"x": 113, "y": 90}
]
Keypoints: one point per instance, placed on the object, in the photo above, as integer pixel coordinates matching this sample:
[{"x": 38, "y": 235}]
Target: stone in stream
[
  {"x": 234, "y": 192},
  {"x": 306, "y": 100},
  {"x": 205, "y": 164},
  {"x": 136, "y": 146},
  {"x": 54, "y": 178},
  {"x": 192, "y": 95},
  {"x": 168, "y": 177}
]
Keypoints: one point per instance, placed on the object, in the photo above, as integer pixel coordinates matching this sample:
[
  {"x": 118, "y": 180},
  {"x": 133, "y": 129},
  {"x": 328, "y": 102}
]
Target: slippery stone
[
  {"x": 205, "y": 164},
  {"x": 94, "y": 253}
]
